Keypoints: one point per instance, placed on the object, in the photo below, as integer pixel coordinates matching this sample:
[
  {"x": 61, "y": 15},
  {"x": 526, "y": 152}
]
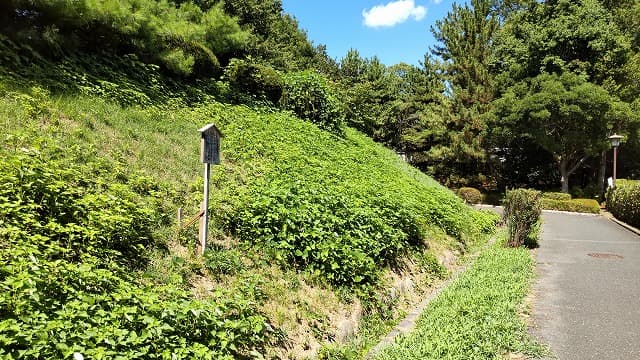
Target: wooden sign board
[{"x": 210, "y": 144}]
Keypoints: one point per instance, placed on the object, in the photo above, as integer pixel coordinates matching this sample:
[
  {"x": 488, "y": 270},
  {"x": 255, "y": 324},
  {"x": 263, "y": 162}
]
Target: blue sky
[{"x": 394, "y": 30}]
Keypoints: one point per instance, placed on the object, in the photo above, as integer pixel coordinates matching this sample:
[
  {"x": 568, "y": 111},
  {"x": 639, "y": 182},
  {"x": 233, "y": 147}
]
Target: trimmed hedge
[
  {"x": 522, "y": 215},
  {"x": 470, "y": 195},
  {"x": 575, "y": 205},
  {"x": 556, "y": 196},
  {"x": 624, "y": 201}
]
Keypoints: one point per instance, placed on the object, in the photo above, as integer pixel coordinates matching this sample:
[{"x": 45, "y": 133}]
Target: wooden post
[
  {"x": 209, "y": 154},
  {"x": 204, "y": 220},
  {"x": 179, "y": 217}
]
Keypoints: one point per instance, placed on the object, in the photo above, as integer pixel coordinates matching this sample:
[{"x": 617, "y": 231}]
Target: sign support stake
[
  {"x": 209, "y": 154},
  {"x": 204, "y": 226}
]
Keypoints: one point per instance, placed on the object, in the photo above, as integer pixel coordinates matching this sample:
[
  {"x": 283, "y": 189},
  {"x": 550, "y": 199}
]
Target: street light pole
[
  {"x": 615, "y": 142},
  {"x": 615, "y": 164}
]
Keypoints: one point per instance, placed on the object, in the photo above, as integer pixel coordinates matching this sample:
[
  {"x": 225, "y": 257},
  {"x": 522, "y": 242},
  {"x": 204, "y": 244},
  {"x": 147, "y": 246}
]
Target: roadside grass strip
[{"x": 478, "y": 316}]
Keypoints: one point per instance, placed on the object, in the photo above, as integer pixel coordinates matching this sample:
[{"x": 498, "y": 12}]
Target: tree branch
[{"x": 575, "y": 167}]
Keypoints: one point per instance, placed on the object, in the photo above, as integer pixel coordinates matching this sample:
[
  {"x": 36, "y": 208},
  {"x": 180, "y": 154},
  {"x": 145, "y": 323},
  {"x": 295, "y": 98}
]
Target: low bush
[
  {"x": 470, "y": 195},
  {"x": 260, "y": 81},
  {"x": 522, "y": 210},
  {"x": 559, "y": 196},
  {"x": 310, "y": 96},
  {"x": 624, "y": 201},
  {"x": 574, "y": 205}
]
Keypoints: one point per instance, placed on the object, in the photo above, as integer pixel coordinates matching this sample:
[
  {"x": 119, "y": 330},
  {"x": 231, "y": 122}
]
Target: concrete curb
[
  {"x": 483, "y": 206},
  {"x": 624, "y": 225},
  {"x": 409, "y": 322}
]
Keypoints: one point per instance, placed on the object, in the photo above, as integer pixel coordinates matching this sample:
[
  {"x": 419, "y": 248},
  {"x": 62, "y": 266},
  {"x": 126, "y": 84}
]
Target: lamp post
[{"x": 615, "y": 142}]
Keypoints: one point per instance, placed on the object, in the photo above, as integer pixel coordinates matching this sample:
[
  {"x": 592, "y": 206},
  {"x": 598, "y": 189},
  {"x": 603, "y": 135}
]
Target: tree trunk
[
  {"x": 601, "y": 174},
  {"x": 564, "y": 176}
]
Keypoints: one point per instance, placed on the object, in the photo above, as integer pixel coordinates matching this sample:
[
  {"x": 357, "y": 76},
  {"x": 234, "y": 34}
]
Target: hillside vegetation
[{"x": 97, "y": 155}]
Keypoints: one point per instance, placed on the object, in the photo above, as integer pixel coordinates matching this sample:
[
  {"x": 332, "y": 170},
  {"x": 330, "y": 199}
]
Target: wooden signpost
[{"x": 209, "y": 154}]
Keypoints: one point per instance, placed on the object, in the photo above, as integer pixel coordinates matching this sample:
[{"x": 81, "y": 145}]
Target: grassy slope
[
  {"x": 478, "y": 316},
  {"x": 267, "y": 156}
]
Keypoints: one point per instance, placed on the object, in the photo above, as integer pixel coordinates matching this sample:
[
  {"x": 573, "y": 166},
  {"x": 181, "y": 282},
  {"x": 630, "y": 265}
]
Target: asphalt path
[{"x": 586, "y": 301}]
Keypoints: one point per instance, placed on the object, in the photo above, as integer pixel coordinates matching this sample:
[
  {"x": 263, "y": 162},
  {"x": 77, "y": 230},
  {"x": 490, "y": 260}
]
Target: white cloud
[
  {"x": 437, "y": 1},
  {"x": 393, "y": 13}
]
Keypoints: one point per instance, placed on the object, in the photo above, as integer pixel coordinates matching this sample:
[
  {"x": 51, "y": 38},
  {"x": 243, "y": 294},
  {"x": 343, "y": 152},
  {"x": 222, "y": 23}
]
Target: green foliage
[
  {"x": 254, "y": 79},
  {"x": 553, "y": 37},
  {"x": 573, "y": 205},
  {"x": 72, "y": 230},
  {"x": 126, "y": 80},
  {"x": 566, "y": 80},
  {"x": 428, "y": 261},
  {"x": 456, "y": 325},
  {"x": 522, "y": 210},
  {"x": 310, "y": 96},
  {"x": 485, "y": 220},
  {"x": 185, "y": 39},
  {"x": 556, "y": 196},
  {"x": 470, "y": 195},
  {"x": 465, "y": 44},
  {"x": 340, "y": 208},
  {"x": 624, "y": 201},
  {"x": 82, "y": 215},
  {"x": 565, "y": 114},
  {"x": 221, "y": 261}
]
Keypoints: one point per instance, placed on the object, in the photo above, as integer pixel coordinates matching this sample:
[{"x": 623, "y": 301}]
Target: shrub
[
  {"x": 258, "y": 80},
  {"x": 624, "y": 201},
  {"x": 556, "y": 196},
  {"x": 521, "y": 214},
  {"x": 310, "y": 96},
  {"x": 470, "y": 195},
  {"x": 574, "y": 205}
]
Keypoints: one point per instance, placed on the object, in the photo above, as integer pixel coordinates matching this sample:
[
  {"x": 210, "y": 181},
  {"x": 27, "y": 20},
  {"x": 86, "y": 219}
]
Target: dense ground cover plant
[
  {"x": 338, "y": 208},
  {"x": 522, "y": 215},
  {"x": 73, "y": 230},
  {"x": 342, "y": 208},
  {"x": 624, "y": 201},
  {"x": 477, "y": 317}
]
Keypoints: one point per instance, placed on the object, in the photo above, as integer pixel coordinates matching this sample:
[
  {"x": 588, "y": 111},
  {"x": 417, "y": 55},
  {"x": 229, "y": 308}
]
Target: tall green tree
[
  {"x": 564, "y": 114},
  {"x": 559, "y": 72},
  {"x": 465, "y": 39},
  {"x": 186, "y": 39}
]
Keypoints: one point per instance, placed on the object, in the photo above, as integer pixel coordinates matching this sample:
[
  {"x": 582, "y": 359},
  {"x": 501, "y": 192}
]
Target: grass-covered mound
[{"x": 89, "y": 193}]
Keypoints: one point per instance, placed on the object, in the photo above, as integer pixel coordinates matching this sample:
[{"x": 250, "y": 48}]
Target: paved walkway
[{"x": 587, "y": 298}]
